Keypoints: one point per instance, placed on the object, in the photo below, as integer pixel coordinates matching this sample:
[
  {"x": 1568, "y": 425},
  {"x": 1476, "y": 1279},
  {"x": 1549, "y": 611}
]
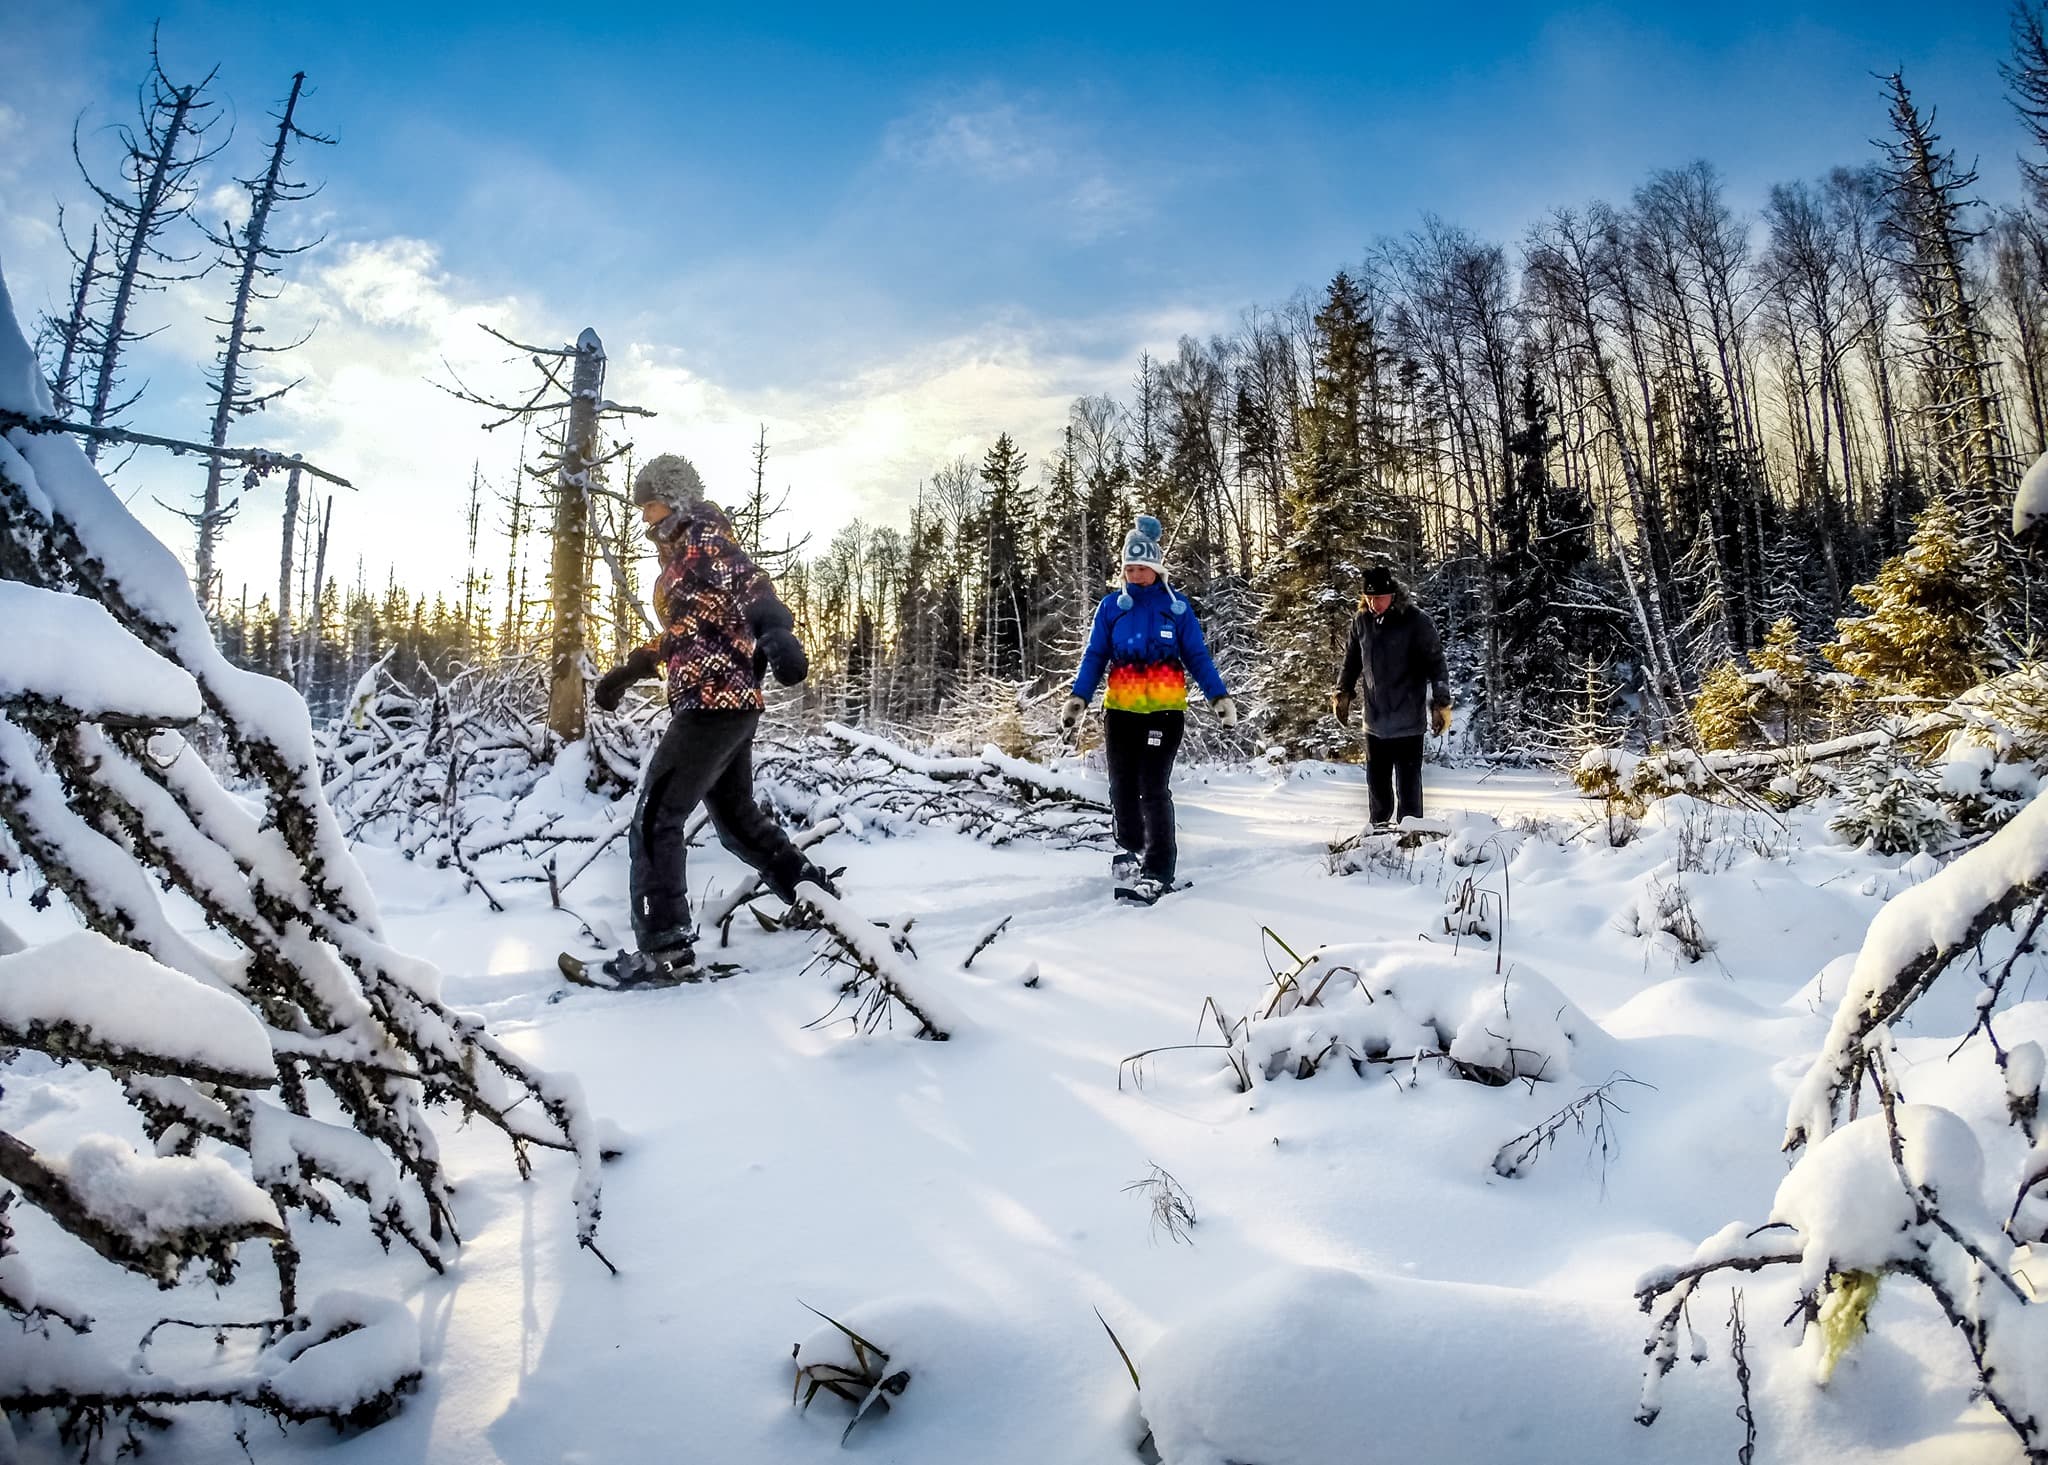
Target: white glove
[
  {"x": 1071, "y": 714},
  {"x": 1225, "y": 710}
]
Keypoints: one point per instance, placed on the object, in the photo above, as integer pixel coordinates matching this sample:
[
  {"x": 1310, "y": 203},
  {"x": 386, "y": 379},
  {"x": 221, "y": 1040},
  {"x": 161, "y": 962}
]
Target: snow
[
  {"x": 1309, "y": 1365},
  {"x": 353, "y": 1348},
  {"x": 1849, "y": 1205},
  {"x": 57, "y": 477},
  {"x": 125, "y": 1000},
  {"x": 161, "y": 1196},
  {"x": 1932, "y": 916},
  {"x": 1358, "y": 1272},
  {"x": 2030, "y": 505},
  {"x": 67, "y": 649}
]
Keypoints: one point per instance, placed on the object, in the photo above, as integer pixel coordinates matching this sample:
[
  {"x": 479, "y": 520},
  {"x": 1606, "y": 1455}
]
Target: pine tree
[
  {"x": 1547, "y": 613},
  {"x": 1787, "y": 695},
  {"x": 1720, "y": 709},
  {"x": 161, "y": 157},
  {"x": 1006, "y": 589},
  {"x": 1710, "y": 486},
  {"x": 253, "y": 255},
  {"x": 1929, "y": 199},
  {"x": 1927, "y": 633},
  {"x": 1337, "y": 531}
]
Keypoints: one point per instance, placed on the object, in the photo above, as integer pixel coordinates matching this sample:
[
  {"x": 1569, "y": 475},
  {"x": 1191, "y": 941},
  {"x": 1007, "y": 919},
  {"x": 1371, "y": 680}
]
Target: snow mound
[
  {"x": 1366, "y": 1003},
  {"x": 1314, "y": 1366}
]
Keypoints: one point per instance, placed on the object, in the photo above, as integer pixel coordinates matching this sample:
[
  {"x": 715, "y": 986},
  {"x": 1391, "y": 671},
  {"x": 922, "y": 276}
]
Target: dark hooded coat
[{"x": 1398, "y": 660}]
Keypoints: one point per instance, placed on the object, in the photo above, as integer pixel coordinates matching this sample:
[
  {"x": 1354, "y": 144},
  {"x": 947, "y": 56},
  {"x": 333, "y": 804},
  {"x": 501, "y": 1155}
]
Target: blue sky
[{"x": 891, "y": 233}]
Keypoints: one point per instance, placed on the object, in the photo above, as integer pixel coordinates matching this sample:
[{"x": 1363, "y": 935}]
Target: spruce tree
[
  {"x": 1547, "y": 611},
  {"x": 1928, "y": 199},
  {"x": 1787, "y": 694},
  {"x": 1926, "y": 634},
  {"x": 1720, "y": 709},
  {"x": 1337, "y": 530},
  {"x": 1006, "y": 593}
]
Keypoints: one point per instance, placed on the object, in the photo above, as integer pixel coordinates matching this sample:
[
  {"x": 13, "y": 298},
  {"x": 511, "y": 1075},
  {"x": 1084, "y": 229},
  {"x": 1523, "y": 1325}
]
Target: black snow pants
[
  {"x": 1391, "y": 764},
  {"x": 1141, "y": 748},
  {"x": 708, "y": 758}
]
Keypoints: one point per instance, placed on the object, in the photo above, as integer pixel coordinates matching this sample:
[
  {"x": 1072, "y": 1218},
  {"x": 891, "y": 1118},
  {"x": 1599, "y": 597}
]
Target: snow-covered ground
[{"x": 1359, "y": 1284}]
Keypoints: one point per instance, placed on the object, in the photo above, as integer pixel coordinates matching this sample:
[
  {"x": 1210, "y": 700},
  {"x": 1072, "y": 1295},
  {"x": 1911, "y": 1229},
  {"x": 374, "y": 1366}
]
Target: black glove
[
  {"x": 612, "y": 685},
  {"x": 785, "y": 655}
]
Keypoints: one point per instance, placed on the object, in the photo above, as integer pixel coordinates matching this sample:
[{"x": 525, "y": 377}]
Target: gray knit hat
[{"x": 670, "y": 479}]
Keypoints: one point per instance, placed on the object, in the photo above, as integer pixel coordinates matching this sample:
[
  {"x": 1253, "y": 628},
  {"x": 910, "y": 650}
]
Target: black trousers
[
  {"x": 707, "y": 758},
  {"x": 1391, "y": 765},
  {"x": 1141, "y": 747}
]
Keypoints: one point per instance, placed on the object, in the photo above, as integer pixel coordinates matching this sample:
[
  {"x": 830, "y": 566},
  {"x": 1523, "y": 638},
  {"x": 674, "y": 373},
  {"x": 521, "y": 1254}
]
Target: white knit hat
[{"x": 1142, "y": 547}]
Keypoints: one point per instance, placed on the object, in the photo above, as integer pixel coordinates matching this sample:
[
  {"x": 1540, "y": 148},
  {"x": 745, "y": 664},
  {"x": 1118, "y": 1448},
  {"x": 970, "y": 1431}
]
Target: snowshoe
[
  {"x": 1146, "y": 890},
  {"x": 626, "y": 971}
]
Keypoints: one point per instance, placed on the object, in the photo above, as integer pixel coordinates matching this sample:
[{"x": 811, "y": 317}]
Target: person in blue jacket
[{"x": 1148, "y": 639}]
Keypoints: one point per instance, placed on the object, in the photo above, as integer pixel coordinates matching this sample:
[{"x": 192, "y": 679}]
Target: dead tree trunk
[
  {"x": 570, "y": 549},
  {"x": 319, "y": 601},
  {"x": 162, "y": 176},
  {"x": 233, "y": 399},
  {"x": 281, "y": 642},
  {"x": 75, "y": 331}
]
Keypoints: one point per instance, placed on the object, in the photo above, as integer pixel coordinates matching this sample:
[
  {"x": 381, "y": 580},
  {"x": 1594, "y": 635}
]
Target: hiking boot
[
  {"x": 661, "y": 965},
  {"x": 1146, "y": 889},
  {"x": 1124, "y": 866}
]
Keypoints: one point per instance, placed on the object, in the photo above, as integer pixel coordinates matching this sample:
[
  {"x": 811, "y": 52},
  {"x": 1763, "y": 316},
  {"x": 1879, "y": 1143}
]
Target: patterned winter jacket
[
  {"x": 716, "y": 604},
  {"x": 1149, "y": 648}
]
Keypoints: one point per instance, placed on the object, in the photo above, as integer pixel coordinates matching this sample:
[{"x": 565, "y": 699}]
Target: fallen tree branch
[{"x": 262, "y": 460}]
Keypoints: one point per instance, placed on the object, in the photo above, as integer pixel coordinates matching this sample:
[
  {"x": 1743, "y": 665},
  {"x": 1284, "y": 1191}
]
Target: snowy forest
[
  {"x": 349, "y": 1108},
  {"x": 1616, "y": 454}
]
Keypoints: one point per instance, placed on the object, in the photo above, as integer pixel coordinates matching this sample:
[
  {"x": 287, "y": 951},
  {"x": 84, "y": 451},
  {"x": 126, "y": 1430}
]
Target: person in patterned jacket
[
  {"x": 1148, "y": 639},
  {"x": 724, "y": 626}
]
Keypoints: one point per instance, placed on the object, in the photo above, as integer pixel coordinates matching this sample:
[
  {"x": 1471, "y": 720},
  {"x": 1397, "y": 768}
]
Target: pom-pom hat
[{"x": 1142, "y": 547}]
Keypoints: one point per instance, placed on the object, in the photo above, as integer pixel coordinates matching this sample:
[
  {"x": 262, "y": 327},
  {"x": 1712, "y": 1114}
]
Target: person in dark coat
[
  {"x": 723, "y": 627},
  {"x": 1394, "y": 651},
  {"x": 1147, "y": 637}
]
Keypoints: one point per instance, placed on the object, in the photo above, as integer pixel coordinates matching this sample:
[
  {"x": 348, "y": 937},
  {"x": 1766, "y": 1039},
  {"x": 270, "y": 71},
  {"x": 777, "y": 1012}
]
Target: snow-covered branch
[{"x": 306, "y": 1059}]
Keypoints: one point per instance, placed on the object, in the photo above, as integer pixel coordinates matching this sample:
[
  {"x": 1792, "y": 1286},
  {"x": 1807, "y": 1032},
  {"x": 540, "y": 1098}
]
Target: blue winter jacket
[{"x": 1148, "y": 650}]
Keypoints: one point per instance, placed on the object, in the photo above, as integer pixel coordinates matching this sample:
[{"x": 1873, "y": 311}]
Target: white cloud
[
  {"x": 393, "y": 318},
  {"x": 224, "y": 203},
  {"x": 994, "y": 140},
  {"x": 1062, "y": 178}
]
